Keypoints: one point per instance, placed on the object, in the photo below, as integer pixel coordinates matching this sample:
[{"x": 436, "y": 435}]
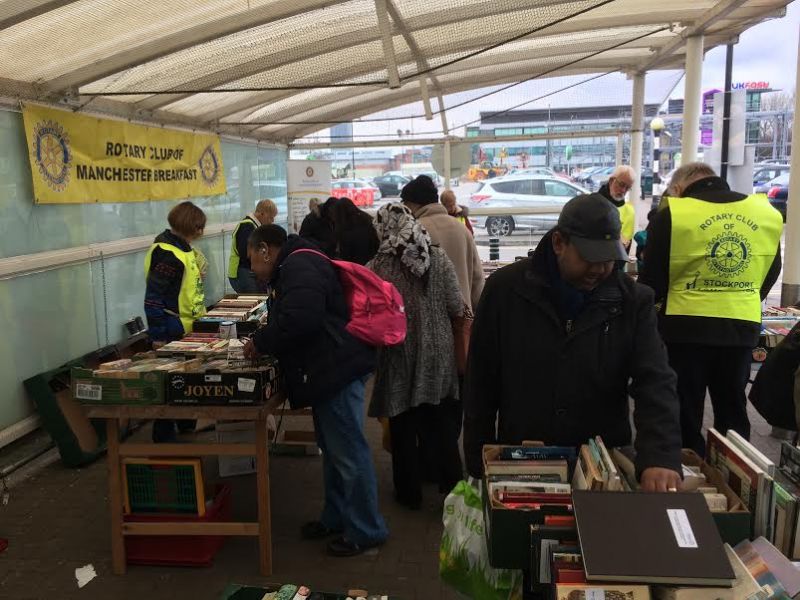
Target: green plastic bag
[{"x": 463, "y": 555}]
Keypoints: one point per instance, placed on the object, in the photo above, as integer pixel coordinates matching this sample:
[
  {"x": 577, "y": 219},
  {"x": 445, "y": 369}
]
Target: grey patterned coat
[{"x": 422, "y": 369}]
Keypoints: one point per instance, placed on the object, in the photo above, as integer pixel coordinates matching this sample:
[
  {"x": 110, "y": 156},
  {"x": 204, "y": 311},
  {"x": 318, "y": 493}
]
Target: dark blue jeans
[{"x": 351, "y": 494}]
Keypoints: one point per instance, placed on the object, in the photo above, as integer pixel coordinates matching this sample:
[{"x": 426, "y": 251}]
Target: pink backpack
[{"x": 377, "y": 313}]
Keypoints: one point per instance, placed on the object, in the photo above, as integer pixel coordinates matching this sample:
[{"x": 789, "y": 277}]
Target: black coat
[
  {"x": 563, "y": 387},
  {"x": 683, "y": 329},
  {"x": 306, "y": 328}
]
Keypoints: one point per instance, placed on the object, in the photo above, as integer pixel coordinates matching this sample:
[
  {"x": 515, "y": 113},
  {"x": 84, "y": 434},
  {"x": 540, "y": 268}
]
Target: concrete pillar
[
  {"x": 637, "y": 140},
  {"x": 790, "y": 292},
  {"x": 618, "y": 151},
  {"x": 446, "y": 164},
  {"x": 692, "y": 98}
]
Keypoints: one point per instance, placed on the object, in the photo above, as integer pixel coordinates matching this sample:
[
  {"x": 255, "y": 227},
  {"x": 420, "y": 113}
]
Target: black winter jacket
[
  {"x": 681, "y": 329},
  {"x": 562, "y": 382},
  {"x": 306, "y": 328}
]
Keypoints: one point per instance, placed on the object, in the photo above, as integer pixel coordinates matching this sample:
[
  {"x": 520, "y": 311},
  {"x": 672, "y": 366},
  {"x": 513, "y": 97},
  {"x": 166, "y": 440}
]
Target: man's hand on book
[{"x": 657, "y": 479}]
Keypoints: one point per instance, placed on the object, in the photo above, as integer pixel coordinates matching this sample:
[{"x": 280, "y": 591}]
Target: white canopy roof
[{"x": 280, "y": 69}]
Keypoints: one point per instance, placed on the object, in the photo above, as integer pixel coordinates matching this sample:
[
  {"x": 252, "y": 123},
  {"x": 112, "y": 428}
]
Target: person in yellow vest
[
  {"x": 174, "y": 295},
  {"x": 240, "y": 274},
  {"x": 712, "y": 257},
  {"x": 460, "y": 213},
  {"x": 615, "y": 189}
]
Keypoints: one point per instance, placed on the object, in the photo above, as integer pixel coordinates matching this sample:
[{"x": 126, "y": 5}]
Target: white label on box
[
  {"x": 595, "y": 594},
  {"x": 246, "y": 385},
  {"x": 213, "y": 378},
  {"x": 681, "y": 528},
  {"x": 87, "y": 391}
]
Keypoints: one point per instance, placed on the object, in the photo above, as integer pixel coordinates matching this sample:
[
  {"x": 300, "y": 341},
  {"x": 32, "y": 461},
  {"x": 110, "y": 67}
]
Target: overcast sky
[{"x": 766, "y": 52}]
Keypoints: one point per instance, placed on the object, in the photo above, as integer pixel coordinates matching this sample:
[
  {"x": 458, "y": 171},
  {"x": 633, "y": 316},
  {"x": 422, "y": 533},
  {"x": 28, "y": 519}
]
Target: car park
[
  {"x": 521, "y": 191},
  {"x": 360, "y": 192},
  {"x": 764, "y": 174},
  {"x": 778, "y": 193},
  {"x": 390, "y": 184}
]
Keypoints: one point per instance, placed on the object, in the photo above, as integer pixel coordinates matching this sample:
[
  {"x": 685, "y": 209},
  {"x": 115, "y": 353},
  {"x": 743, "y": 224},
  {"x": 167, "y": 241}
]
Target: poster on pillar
[
  {"x": 309, "y": 182},
  {"x": 77, "y": 159}
]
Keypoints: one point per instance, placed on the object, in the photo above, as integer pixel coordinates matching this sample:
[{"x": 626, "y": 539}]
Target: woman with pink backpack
[
  {"x": 416, "y": 382},
  {"x": 313, "y": 333}
]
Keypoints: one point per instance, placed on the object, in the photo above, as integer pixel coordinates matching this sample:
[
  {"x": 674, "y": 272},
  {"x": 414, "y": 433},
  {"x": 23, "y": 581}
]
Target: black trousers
[
  {"x": 724, "y": 372},
  {"x": 426, "y": 434}
]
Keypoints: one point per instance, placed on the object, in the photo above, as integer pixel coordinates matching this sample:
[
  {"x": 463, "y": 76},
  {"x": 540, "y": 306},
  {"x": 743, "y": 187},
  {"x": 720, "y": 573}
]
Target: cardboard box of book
[
  {"x": 217, "y": 384},
  {"x": 507, "y": 530},
  {"x": 735, "y": 524},
  {"x": 124, "y": 381}
]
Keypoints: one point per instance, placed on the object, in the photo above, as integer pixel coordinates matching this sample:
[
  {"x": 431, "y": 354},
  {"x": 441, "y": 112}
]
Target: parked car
[
  {"x": 778, "y": 193},
  {"x": 390, "y": 185},
  {"x": 361, "y": 193},
  {"x": 764, "y": 174},
  {"x": 521, "y": 191},
  {"x": 582, "y": 177},
  {"x": 598, "y": 178}
]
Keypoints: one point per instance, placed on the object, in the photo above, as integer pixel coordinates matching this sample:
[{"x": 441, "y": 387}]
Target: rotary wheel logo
[
  {"x": 51, "y": 154},
  {"x": 209, "y": 166},
  {"x": 728, "y": 254},
  {"x": 178, "y": 382}
]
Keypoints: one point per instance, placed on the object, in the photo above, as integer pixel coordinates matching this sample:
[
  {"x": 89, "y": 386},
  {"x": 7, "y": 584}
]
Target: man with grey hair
[
  {"x": 240, "y": 274},
  {"x": 712, "y": 257},
  {"x": 615, "y": 190}
]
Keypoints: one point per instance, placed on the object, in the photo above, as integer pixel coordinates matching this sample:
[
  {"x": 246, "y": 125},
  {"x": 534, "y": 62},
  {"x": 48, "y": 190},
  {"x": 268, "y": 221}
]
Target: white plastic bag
[{"x": 463, "y": 555}]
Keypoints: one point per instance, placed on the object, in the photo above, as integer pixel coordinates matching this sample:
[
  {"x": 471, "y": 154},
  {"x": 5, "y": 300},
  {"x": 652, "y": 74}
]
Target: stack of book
[
  {"x": 780, "y": 311},
  {"x": 205, "y": 344},
  {"x": 530, "y": 477},
  {"x": 596, "y": 470},
  {"x": 241, "y": 308}
]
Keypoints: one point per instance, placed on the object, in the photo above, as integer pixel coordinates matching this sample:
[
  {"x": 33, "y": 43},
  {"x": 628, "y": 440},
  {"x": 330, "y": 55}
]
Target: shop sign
[
  {"x": 77, "y": 159},
  {"x": 751, "y": 85}
]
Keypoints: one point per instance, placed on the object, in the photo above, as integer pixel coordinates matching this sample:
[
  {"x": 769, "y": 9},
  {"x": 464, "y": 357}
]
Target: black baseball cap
[{"x": 593, "y": 225}]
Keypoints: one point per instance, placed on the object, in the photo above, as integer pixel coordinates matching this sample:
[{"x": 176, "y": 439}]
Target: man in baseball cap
[{"x": 559, "y": 342}]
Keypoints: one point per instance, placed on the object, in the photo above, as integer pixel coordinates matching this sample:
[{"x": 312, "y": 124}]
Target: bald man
[{"x": 240, "y": 274}]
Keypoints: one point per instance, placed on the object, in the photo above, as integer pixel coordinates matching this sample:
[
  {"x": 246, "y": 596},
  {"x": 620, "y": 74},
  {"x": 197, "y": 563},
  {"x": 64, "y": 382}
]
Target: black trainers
[
  {"x": 342, "y": 547},
  {"x": 316, "y": 530}
]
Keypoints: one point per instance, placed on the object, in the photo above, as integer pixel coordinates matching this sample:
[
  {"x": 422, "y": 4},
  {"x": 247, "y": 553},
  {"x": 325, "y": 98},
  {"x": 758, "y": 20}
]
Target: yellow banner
[{"x": 77, "y": 159}]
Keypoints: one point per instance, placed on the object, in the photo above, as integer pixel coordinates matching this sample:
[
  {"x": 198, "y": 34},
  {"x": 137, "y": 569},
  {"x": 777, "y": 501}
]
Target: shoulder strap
[{"x": 310, "y": 251}]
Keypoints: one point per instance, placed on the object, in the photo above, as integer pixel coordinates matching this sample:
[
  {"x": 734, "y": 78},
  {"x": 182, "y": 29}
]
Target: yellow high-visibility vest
[
  {"x": 191, "y": 298},
  {"x": 627, "y": 215},
  {"x": 233, "y": 262},
  {"x": 720, "y": 255}
]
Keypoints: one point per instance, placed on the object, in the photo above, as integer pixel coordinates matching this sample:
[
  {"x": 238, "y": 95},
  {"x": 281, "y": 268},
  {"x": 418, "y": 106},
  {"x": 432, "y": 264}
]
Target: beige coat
[{"x": 459, "y": 245}]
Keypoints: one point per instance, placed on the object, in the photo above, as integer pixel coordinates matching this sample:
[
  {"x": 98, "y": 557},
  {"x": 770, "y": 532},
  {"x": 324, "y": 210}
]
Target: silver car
[{"x": 505, "y": 194}]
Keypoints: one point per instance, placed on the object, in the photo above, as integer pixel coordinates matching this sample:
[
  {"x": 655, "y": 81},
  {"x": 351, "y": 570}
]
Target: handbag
[{"x": 462, "y": 328}]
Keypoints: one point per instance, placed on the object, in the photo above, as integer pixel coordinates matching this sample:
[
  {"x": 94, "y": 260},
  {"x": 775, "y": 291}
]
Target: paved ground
[{"x": 57, "y": 521}]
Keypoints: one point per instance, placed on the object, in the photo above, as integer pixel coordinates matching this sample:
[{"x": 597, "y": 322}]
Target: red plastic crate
[{"x": 179, "y": 550}]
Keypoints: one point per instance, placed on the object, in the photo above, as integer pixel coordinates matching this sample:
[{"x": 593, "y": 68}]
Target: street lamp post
[{"x": 657, "y": 126}]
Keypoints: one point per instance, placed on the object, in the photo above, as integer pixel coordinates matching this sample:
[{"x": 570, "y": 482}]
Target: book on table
[{"x": 669, "y": 538}]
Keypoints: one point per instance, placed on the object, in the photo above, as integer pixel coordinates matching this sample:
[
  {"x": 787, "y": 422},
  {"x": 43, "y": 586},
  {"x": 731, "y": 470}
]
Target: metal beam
[
  {"x": 320, "y": 46},
  {"x": 33, "y": 9},
  {"x": 790, "y": 291},
  {"x": 697, "y": 27},
  {"x": 658, "y": 15},
  {"x": 388, "y": 43},
  {"x": 564, "y": 135},
  {"x": 498, "y": 69},
  {"x": 691, "y": 99},
  {"x": 372, "y": 102}
]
